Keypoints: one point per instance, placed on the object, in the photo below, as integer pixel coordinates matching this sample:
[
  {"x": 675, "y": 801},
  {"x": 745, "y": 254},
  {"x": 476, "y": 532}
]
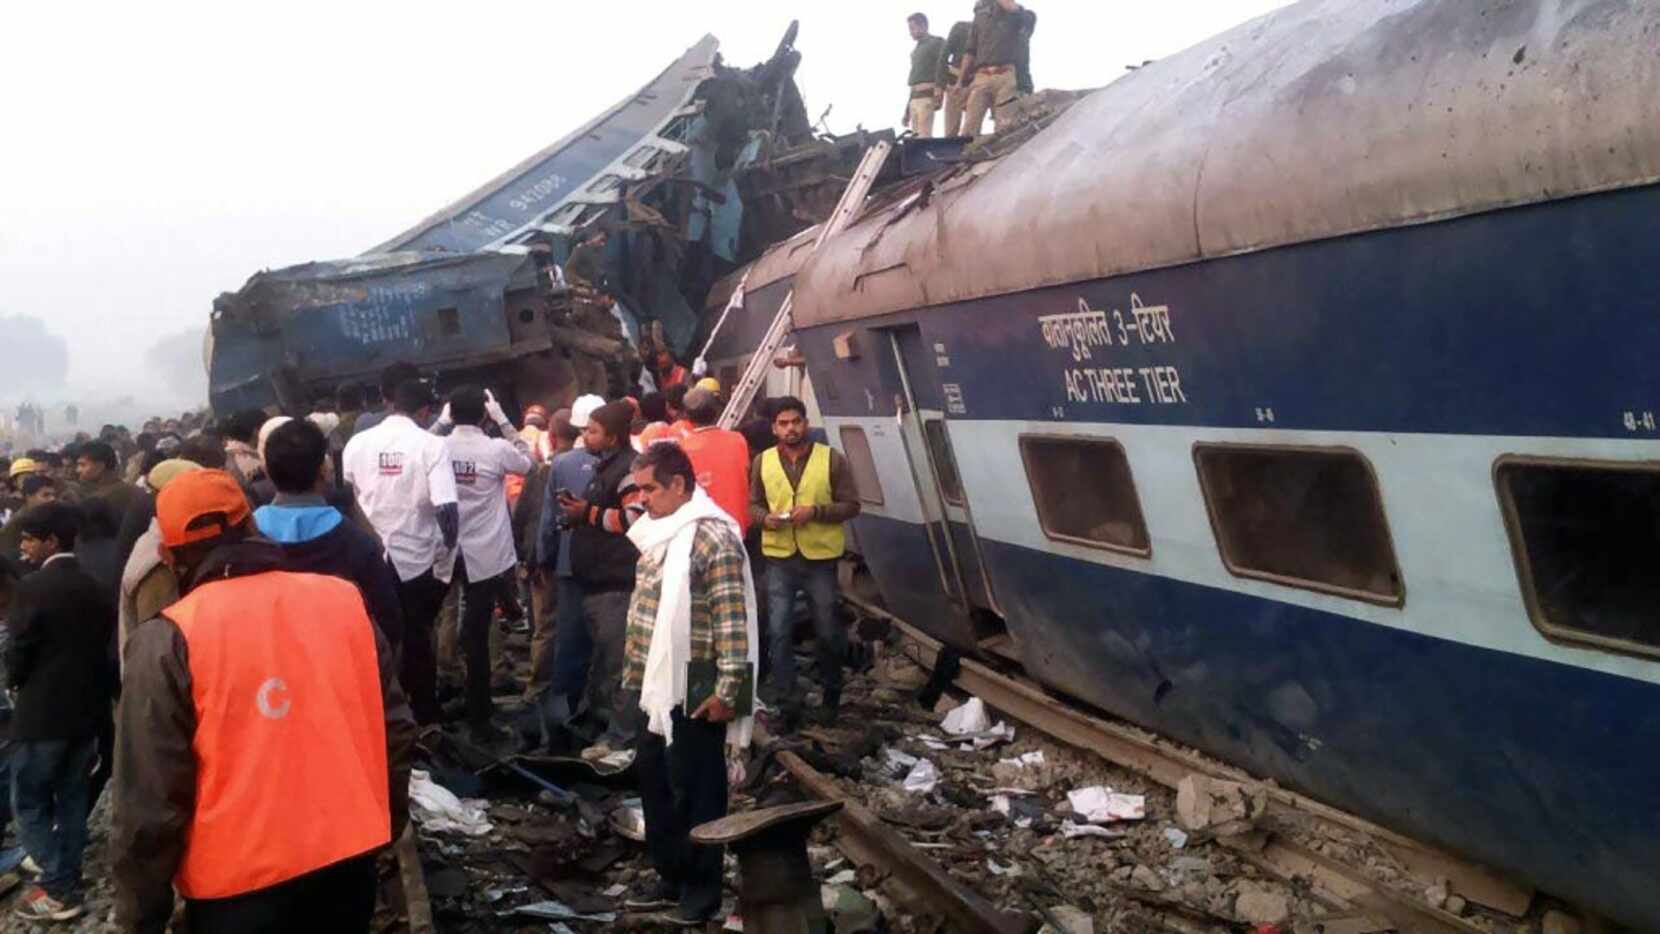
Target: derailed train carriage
[{"x": 1294, "y": 397}]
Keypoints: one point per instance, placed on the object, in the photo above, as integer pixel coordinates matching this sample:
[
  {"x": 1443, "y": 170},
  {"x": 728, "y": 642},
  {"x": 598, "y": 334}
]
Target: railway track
[{"x": 1352, "y": 896}]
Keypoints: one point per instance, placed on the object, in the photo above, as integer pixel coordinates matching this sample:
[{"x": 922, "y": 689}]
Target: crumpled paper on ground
[
  {"x": 1070, "y": 830},
  {"x": 971, "y": 717},
  {"x": 970, "y": 722},
  {"x": 437, "y": 810},
  {"x": 1099, "y": 804},
  {"x": 922, "y": 778}
]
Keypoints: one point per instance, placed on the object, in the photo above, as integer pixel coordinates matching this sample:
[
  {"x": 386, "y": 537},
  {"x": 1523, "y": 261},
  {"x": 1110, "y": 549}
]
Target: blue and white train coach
[{"x": 1298, "y": 396}]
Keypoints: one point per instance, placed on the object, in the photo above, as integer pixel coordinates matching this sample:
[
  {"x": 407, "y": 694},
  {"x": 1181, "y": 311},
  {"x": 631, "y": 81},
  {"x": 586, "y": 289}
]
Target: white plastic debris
[
  {"x": 845, "y": 877},
  {"x": 1029, "y": 760},
  {"x": 997, "y": 735},
  {"x": 899, "y": 761},
  {"x": 1070, "y": 830},
  {"x": 615, "y": 890},
  {"x": 437, "y": 810},
  {"x": 971, "y": 722},
  {"x": 629, "y": 820},
  {"x": 1176, "y": 836},
  {"x": 1000, "y": 804},
  {"x": 922, "y": 777},
  {"x": 1099, "y": 804},
  {"x": 559, "y": 911},
  {"x": 971, "y": 717},
  {"x": 997, "y": 870}
]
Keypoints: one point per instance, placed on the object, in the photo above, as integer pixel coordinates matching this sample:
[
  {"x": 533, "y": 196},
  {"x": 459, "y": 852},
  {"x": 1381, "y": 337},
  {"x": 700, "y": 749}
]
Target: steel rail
[{"x": 1167, "y": 764}]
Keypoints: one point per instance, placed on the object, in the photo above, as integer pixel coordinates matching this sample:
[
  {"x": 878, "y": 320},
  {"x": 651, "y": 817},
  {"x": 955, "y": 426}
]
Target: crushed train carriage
[
  {"x": 1292, "y": 397},
  {"x": 690, "y": 177}
]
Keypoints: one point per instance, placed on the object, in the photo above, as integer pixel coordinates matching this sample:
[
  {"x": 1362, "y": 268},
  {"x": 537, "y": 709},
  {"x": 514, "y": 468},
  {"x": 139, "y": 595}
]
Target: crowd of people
[
  {"x": 241, "y": 625},
  {"x": 982, "y": 66}
]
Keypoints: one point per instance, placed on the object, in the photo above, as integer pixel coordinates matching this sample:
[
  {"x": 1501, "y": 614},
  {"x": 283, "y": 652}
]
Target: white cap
[{"x": 582, "y": 410}]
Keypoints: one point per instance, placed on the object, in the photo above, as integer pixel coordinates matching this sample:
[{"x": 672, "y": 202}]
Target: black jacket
[
  {"x": 600, "y": 559},
  {"x": 58, "y": 659},
  {"x": 349, "y": 553}
]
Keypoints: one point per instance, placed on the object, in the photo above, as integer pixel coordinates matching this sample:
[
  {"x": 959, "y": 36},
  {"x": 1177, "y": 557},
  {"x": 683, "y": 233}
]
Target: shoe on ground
[
  {"x": 36, "y": 905},
  {"x": 681, "y": 918},
  {"x": 30, "y": 866},
  {"x": 659, "y": 896}
]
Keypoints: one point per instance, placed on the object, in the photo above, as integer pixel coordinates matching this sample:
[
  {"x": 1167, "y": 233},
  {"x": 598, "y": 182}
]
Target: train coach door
[{"x": 934, "y": 468}]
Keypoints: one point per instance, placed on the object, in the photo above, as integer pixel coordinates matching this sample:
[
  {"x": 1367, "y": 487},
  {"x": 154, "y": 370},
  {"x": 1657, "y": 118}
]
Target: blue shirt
[{"x": 572, "y": 471}]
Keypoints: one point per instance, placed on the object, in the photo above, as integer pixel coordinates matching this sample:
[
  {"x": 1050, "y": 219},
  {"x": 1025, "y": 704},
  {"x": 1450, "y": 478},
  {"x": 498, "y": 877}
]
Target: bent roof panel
[
  {"x": 1325, "y": 118},
  {"x": 522, "y": 194}
]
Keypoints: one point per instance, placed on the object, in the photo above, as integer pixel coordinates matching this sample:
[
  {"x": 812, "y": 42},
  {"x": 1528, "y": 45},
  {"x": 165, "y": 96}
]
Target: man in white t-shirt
[
  {"x": 485, "y": 564},
  {"x": 406, "y": 487}
]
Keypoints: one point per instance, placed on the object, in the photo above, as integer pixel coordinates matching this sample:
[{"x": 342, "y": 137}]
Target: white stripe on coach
[{"x": 1438, "y": 496}]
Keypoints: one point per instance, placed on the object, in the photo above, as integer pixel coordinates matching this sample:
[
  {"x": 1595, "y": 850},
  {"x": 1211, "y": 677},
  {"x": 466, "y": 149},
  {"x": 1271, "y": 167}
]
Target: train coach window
[
  {"x": 951, "y": 483},
  {"x": 1084, "y": 493},
  {"x": 1304, "y": 517},
  {"x": 1586, "y": 540},
  {"x": 856, "y": 448}
]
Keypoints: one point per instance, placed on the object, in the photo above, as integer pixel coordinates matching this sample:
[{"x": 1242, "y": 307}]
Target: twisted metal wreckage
[{"x": 691, "y": 178}]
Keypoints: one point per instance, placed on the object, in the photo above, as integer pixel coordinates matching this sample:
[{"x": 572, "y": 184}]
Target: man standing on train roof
[
  {"x": 925, "y": 89},
  {"x": 802, "y": 493},
  {"x": 950, "y": 78},
  {"x": 990, "y": 69}
]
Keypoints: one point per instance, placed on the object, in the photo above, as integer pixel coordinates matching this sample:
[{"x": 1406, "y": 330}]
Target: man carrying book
[{"x": 691, "y": 654}]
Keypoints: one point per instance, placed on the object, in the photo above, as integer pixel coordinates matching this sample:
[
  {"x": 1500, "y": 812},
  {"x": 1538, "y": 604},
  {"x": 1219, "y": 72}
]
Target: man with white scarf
[{"x": 693, "y": 608}]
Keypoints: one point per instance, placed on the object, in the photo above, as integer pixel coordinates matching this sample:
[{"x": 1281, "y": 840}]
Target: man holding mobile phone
[{"x": 802, "y": 493}]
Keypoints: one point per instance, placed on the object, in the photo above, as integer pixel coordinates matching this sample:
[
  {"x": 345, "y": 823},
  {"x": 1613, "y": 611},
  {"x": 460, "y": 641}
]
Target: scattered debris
[
  {"x": 923, "y": 777},
  {"x": 1102, "y": 805},
  {"x": 437, "y": 810},
  {"x": 850, "y": 911},
  {"x": 559, "y": 911},
  {"x": 1223, "y": 807},
  {"x": 1257, "y": 905},
  {"x": 629, "y": 819}
]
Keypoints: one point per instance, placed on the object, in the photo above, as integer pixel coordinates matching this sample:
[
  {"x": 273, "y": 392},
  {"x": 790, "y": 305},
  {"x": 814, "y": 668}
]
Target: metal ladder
[{"x": 853, "y": 199}]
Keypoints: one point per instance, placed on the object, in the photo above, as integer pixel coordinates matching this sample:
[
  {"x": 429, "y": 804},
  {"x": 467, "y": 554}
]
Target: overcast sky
[{"x": 157, "y": 154}]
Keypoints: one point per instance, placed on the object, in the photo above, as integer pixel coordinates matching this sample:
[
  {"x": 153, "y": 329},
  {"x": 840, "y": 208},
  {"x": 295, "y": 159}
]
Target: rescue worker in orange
[
  {"x": 263, "y": 744},
  {"x": 719, "y": 456}
]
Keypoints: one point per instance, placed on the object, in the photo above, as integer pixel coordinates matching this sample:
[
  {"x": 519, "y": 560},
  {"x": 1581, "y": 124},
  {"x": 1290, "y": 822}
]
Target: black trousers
[
  {"x": 337, "y": 899},
  {"x": 478, "y": 600},
  {"x": 682, "y": 786},
  {"x": 421, "y": 599}
]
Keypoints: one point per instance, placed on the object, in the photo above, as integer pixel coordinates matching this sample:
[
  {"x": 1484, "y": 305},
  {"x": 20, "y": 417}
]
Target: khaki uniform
[
  {"x": 926, "y": 64},
  {"x": 995, "y": 40},
  {"x": 993, "y": 90},
  {"x": 924, "y": 104}
]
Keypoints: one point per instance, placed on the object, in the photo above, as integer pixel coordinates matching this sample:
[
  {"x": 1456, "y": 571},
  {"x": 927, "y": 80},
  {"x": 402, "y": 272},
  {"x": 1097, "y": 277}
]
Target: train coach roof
[{"x": 1326, "y": 118}]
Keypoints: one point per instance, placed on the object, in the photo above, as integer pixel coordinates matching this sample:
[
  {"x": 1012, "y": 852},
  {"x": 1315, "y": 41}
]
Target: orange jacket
[
  {"x": 721, "y": 460},
  {"x": 290, "y": 732}
]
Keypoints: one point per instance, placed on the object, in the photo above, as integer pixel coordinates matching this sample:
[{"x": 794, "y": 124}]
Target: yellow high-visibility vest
[{"x": 817, "y": 540}]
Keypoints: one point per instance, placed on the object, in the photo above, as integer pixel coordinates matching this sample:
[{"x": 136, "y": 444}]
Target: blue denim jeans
[
  {"x": 51, "y": 790},
  {"x": 786, "y": 576}
]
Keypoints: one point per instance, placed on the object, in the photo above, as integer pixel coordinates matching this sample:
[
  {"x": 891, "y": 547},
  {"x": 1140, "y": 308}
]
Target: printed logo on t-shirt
[
  {"x": 391, "y": 463},
  {"x": 466, "y": 472}
]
